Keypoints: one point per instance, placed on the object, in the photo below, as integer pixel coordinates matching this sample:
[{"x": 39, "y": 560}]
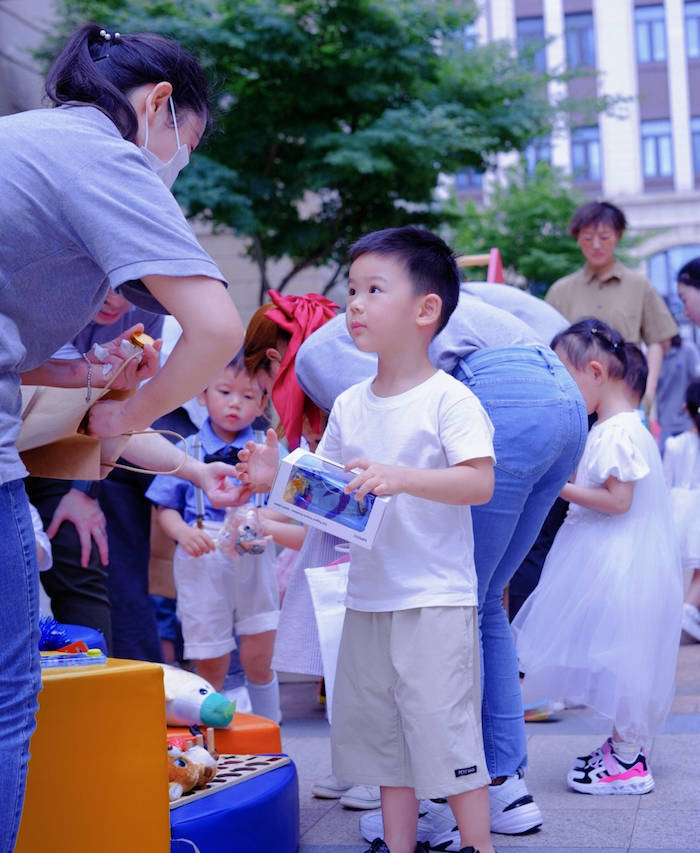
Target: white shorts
[
  {"x": 407, "y": 701},
  {"x": 217, "y": 593}
]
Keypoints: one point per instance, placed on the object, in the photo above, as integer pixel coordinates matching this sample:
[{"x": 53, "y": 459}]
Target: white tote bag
[{"x": 328, "y": 585}]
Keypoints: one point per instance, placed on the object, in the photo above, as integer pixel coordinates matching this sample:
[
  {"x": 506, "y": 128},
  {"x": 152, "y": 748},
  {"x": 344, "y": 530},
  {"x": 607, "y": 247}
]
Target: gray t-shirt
[
  {"x": 82, "y": 211},
  {"x": 539, "y": 315},
  {"x": 328, "y": 361}
]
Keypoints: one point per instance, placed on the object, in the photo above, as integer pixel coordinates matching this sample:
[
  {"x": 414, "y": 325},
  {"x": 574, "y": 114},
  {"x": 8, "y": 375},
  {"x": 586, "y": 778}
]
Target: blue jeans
[
  {"x": 20, "y": 677},
  {"x": 540, "y": 426}
]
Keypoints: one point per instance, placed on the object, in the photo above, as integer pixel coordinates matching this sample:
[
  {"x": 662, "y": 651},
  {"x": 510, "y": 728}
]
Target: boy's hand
[
  {"x": 258, "y": 463},
  {"x": 374, "y": 477},
  {"x": 196, "y": 542}
]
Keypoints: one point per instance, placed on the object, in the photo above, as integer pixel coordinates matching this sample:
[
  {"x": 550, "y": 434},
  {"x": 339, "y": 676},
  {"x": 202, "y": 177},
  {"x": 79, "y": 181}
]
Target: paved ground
[{"x": 664, "y": 820}]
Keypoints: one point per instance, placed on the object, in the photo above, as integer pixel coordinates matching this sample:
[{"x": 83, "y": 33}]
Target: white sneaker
[
  {"x": 330, "y": 788},
  {"x": 351, "y": 796},
  {"x": 361, "y": 797},
  {"x": 435, "y": 820},
  {"x": 513, "y": 812},
  {"x": 690, "y": 621}
]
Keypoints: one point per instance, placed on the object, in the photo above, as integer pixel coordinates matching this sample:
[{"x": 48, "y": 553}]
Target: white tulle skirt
[{"x": 602, "y": 627}]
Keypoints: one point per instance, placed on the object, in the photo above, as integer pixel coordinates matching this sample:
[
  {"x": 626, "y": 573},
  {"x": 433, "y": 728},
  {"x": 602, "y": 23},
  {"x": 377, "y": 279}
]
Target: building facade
[{"x": 645, "y": 155}]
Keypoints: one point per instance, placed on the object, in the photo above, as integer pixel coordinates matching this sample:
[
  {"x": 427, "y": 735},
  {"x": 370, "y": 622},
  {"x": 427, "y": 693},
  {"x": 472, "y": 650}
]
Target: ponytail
[{"x": 100, "y": 68}]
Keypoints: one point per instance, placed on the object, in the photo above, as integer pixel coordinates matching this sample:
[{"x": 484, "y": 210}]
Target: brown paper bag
[{"x": 53, "y": 443}]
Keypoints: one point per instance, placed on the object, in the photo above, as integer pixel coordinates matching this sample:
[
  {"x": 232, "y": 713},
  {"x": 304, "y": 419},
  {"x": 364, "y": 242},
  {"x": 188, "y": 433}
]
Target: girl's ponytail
[{"x": 100, "y": 67}]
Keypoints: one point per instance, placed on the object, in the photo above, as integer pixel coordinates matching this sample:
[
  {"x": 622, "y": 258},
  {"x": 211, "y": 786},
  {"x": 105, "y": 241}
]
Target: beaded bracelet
[{"x": 90, "y": 365}]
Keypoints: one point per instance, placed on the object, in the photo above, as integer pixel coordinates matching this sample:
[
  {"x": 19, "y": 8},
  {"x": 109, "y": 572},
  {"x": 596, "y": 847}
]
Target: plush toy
[
  {"x": 190, "y": 700},
  {"x": 188, "y": 770},
  {"x": 183, "y": 776}
]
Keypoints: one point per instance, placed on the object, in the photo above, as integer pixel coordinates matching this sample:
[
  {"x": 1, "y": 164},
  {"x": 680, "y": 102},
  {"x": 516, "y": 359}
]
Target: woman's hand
[
  {"x": 135, "y": 371},
  {"x": 215, "y": 480},
  {"x": 258, "y": 463},
  {"x": 111, "y": 417},
  {"x": 85, "y": 514}
]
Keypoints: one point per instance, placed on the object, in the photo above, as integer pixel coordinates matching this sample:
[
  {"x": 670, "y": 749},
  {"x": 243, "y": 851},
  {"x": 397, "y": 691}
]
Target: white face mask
[{"x": 167, "y": 172}]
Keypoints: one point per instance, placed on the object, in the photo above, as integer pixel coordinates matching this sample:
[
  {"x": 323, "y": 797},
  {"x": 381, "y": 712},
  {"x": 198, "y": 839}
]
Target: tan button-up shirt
[{"x": 624, "y": 299}]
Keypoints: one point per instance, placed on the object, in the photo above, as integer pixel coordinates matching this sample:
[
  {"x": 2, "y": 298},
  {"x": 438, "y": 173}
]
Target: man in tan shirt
[{"x": 606, "y": 289}]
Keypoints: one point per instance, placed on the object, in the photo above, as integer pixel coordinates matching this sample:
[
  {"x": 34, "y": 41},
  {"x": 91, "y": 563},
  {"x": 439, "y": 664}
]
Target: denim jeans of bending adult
[
  {"x": 539, "y": 419},
  {"x": 19, "y": 652}
]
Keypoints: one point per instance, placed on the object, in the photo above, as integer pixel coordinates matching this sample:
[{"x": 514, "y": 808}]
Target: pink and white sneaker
[
  {"x": 607, "y": 774},
  {"x": 582, "y": 760}
]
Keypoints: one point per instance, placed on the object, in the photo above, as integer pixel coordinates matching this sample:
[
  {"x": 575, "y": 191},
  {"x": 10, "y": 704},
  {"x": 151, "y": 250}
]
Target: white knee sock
[{"x": 265, "y": 699}]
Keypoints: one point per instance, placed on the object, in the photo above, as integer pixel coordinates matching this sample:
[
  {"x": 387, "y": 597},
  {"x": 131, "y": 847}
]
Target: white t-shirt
[{"x": 424, "y": 552}]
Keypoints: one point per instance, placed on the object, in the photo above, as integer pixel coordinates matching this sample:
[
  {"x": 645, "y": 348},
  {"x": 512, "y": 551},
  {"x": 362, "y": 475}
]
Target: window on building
[
  {"x": 585, "y": 153},
  {"x": 580, "y": 40},
  {"x": 695, "y": 140},
  {"x": 657, "y": 151},
  {"x": 469, "y": 179},
  {"x": 529, "y": 36},
  {"x": 538, "y": 151},
  {"x": 650, "y": 33},
  {"x": 692, "y": 29}
]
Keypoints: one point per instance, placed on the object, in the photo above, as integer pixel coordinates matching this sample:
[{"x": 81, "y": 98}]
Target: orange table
[
  {"x": 98, "y": 770},
  {"x": 246, "y": 734}
]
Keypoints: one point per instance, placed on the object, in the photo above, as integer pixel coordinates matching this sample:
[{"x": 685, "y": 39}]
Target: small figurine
[{"x": 242, "y": 532}]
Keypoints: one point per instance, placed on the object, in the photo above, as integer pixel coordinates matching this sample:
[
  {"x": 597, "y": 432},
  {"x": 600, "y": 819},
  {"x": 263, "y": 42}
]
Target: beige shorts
[
  {"x": 407, "y": 701},
  {"x": 217, "y": 592}
]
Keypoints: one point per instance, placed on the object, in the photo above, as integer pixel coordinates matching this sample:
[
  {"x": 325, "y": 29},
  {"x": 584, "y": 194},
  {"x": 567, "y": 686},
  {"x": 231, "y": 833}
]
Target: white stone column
[
  {"x": 556, "y": 62},
  {"x": 683, "y": 177},
  {"x": 619, "y": 134},
  {"x": 502, "y": 20}
]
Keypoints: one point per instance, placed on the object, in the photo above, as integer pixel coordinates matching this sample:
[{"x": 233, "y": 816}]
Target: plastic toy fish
[{"x": 191, "y": 700}]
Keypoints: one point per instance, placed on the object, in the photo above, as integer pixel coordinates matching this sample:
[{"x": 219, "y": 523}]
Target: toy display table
[
  {"x": 98, "y": 769},
  {"x": 257, "y": 815}
]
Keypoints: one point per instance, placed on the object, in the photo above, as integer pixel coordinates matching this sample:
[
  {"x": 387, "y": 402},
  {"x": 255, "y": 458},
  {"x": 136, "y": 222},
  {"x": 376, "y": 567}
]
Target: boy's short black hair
[
  {"x": 429, "y": 261},
  {"x": 690, "y": 273},
  {"x": 597, "y": 213},
  {"x": 637, "y": 370}
]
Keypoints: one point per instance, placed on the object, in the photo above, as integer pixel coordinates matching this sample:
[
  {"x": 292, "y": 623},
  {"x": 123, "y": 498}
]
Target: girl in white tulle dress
[
  {"x": 603, "y": 625},
  {"x": 682, "y": 471}
]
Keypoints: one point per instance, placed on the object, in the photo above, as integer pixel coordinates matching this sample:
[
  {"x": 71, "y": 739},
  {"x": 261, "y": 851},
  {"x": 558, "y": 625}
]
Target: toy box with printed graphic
[{"x": 310, "y": 489}]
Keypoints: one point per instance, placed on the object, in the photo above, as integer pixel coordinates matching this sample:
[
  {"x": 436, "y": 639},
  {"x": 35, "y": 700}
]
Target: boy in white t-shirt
[{"x": 399, "y": 721}]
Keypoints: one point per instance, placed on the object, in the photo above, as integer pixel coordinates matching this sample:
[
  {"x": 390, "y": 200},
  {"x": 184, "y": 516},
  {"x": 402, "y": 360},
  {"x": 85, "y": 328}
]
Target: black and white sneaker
[{"x": 513, "y": 810}]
